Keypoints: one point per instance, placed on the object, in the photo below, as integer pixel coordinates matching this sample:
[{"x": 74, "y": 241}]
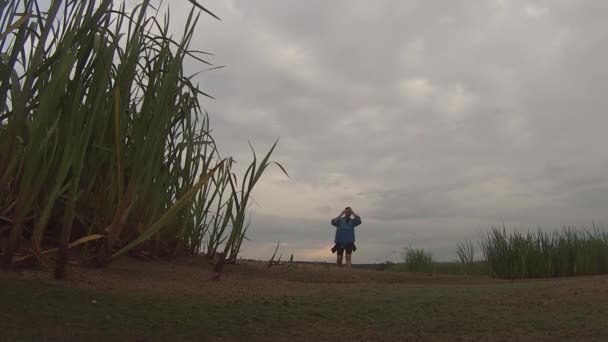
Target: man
[{"x": 345, "y": 235}]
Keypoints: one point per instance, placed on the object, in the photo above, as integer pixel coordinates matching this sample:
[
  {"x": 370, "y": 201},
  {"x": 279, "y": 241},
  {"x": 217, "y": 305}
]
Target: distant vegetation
[
  {"x": 417, "y": 260},
  {"x": 512, "y": 255},
  {"x": 565, "y": 253},
  {"x": 104, "y": 146},
  {"x": 422, "y": 261}
]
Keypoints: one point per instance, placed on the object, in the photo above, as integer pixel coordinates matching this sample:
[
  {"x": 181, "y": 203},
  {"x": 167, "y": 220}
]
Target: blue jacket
[{"x": 345, "y": 229}]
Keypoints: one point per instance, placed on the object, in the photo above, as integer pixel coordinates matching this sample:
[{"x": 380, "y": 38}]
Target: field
[
  {"x": 106, "y": 151},
  {"x": 140, "y": 300}
]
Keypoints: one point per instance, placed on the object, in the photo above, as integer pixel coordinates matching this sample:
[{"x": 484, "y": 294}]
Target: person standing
[{"x": 344, "y": 241}]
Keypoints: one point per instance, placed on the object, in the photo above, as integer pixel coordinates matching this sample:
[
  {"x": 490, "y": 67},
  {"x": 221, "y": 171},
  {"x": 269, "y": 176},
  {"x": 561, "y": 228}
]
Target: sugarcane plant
[
  {"x": 571, "y": 251},
  {"x": 240, "y": 200},
  {"x": 104, "y": 146}
]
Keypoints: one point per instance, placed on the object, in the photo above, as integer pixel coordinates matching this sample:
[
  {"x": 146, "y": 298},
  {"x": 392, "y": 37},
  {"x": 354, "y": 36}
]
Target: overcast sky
[{"x": 433, "y": 119}]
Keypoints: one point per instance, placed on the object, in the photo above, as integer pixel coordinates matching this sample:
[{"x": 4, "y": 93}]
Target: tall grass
[
  {"x": 104, "y": 144},
  {"x": 569, "y": 252},
  {"x": 466, "y": 255},
  {"x": 417, "y": 260},
  {"x": 514, "y": 255}
]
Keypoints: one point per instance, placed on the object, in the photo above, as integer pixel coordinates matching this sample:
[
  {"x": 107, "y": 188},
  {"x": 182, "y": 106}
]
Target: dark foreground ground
[{"x": 135, "y": 300}]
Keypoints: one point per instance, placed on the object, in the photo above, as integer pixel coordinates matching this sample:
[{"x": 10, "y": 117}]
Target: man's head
[{"x": 348, "y": 212}]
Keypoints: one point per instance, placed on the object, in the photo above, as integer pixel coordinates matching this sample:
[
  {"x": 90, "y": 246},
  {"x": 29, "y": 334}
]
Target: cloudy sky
[{"x": 434, "y": 120}]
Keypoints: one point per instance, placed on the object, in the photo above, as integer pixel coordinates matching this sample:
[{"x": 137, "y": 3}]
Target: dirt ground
[
  {"x": 322, "y": 302},
  {"x": 193, "y": 276}
]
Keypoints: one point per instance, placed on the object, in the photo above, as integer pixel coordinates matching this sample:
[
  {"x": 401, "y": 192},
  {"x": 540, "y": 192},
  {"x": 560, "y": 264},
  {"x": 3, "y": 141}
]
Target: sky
[{"x": 434, "y": 120}]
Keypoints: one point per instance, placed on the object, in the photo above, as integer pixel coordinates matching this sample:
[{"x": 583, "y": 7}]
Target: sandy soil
[{"x": 194, "y": 276}]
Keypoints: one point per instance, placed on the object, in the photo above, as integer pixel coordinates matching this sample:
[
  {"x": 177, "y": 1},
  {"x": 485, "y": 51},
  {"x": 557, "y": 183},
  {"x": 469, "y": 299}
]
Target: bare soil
[
  {"x": 316, "y": 302},
  {"x": 195, "y": 276}
]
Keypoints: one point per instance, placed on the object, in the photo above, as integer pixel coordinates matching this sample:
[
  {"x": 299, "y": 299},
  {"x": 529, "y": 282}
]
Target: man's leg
[
  {"x": 349, "y": 254},
  {"x": 340, "y": 255}
]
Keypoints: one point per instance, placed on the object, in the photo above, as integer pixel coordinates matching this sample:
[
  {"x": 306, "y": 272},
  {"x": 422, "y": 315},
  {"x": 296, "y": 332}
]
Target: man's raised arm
[
  {"x": 334, "y": 221},
  {"x": 357, "y": 219}
]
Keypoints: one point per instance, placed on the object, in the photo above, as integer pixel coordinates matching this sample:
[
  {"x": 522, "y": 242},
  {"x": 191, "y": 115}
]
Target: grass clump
[
  {"x": 564, "y": 253},
  {"x": 417, "y": 260}
]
